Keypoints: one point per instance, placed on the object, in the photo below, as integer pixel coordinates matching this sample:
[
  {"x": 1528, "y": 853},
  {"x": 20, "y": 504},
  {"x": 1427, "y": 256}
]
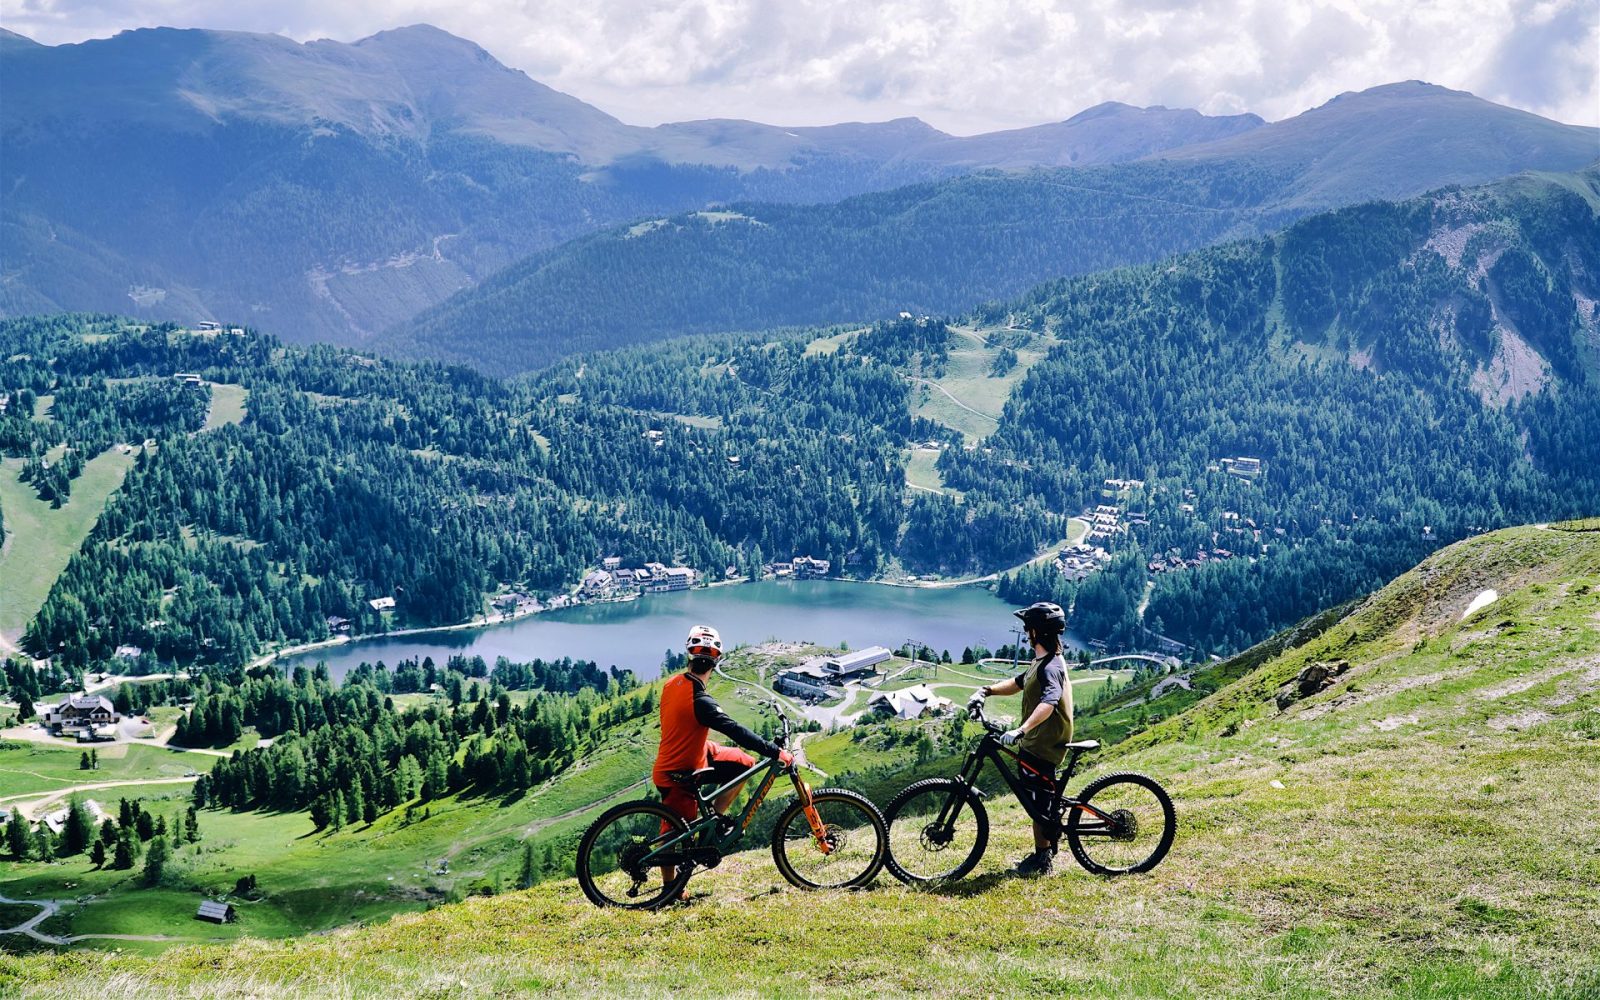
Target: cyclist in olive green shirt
[{"x": 1041, "y": 740}]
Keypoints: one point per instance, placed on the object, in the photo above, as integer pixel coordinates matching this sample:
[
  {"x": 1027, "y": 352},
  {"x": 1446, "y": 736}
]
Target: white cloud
[{"x": 966, "y": 65}]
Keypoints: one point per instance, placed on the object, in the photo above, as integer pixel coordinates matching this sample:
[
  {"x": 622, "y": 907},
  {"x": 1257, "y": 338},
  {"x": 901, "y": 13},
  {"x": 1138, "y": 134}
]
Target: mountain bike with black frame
[{"x": 1120, "y": 824}]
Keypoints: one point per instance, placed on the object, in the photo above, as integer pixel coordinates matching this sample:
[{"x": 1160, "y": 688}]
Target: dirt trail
[
  {"x": 540, "y": 824},
  {"x": 951, "y": 396},
  {"x": 32, "y": 804}
]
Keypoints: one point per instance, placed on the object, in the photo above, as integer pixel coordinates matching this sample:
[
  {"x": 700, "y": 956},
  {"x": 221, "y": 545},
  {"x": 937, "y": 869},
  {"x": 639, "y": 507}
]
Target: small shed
[{"x": 216, "y": 912}]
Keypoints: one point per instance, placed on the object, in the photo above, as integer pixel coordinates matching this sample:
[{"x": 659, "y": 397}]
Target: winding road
[{"x": 50, "y": 907}]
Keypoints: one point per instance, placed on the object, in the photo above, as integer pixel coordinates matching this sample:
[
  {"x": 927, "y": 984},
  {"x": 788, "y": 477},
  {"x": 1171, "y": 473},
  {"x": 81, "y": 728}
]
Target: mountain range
[
  {"x": 950, "y": 245},
  {"x": 327, "y": 190},
  {"x": 332, "y": 191}
]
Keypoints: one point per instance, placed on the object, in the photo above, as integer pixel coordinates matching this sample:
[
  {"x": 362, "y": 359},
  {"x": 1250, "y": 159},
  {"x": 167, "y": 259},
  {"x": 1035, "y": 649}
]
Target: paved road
[{"x": 48, "y": 908}]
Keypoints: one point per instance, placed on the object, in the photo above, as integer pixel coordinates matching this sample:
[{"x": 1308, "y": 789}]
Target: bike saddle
[
  {"x": 1084, "y": 746},
  {"x": 694, "y": 779}
]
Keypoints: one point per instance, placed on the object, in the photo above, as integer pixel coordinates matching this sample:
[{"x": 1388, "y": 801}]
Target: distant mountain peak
[
  {"x": 1105, "y": 109},
  {"x": 1396, "y": 139},
  {"x": 1111, "y": 110},
  {"x": 1401, "y": 89},
  {"x": 424, "y": 36},
  {"x": 9, "y": 39}
]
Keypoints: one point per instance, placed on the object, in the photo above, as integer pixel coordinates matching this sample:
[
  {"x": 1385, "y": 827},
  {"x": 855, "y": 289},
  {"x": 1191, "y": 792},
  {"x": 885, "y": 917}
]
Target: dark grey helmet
[{"x": 1044, "y": 618}]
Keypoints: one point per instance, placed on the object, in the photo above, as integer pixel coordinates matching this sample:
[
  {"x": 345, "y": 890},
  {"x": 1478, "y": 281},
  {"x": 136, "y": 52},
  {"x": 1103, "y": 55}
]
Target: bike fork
[{"x": 813, "y": 819}]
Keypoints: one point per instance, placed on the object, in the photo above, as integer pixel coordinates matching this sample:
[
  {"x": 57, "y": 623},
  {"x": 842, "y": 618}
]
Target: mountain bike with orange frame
[{"x": 641, "y": 855}]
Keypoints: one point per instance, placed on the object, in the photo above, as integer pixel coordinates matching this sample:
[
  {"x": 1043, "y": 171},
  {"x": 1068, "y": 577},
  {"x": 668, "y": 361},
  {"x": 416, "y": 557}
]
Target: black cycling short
[{"x": 1037, "y": 782}]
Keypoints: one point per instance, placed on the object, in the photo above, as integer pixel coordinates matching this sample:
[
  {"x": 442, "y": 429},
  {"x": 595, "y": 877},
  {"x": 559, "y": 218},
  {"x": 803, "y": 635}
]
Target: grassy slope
[
  {"x": 1419, "y": 829},
  {"x": 40, "y": 540},
  {"x": 312, "y": 881},
  {"x": 967, "y": 378},
  {"x": 36, "y": 767},
  {"x": 227, "y": 405}
]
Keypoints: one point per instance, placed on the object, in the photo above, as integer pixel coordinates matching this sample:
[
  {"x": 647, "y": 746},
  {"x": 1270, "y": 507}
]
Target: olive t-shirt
[{"x": 1045, "y": 683}]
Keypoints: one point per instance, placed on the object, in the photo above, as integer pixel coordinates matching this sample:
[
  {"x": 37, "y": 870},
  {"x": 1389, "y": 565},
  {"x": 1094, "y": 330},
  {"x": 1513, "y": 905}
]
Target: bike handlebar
[{"x": 976, "y": 711}]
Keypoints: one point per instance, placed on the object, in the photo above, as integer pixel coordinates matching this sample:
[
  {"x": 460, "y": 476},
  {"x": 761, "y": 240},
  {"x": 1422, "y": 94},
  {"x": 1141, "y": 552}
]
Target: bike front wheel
[
  {"x": 938, "y": 830},
  {"x": 846, "y": 849},
  {"x": 1131, "y": 829},
  {"x": 609, "y": 869}
]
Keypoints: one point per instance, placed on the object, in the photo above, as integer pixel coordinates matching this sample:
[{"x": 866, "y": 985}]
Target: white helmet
[{"x": 704, "y": 641}]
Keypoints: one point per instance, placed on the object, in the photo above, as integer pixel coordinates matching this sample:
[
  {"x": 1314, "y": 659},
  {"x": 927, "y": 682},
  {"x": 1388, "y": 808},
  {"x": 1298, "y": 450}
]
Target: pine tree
[
  {"x": 123, "y": 857},
  {"x": 19, "y": 837},
  {"x": 319, "y": 812},
  {"x": 83, "y": 761},
  {"x": 191, "y": 826},
  {"x": 78, "y": 830},
  {"x": 527, "y": 877},
  {"x": 355, "y": 805},
  {"x": 97, "y": 854},
  {"x": 44, "y": 844},
  {"x": 437, "y": 779},
  {"x": 155, "y": 860}
]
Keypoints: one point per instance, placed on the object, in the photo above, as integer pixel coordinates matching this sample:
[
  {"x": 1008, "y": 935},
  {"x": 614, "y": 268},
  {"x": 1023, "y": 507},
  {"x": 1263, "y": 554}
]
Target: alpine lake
[{"x": 637, "y": 635}]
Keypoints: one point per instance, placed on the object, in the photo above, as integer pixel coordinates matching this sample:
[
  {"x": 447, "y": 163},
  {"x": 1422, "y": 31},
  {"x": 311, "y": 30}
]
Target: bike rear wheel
[
  {"x": 1139, "y": 833},
  {"x": 938, "y": 830},
  {"x": 848, "y": 855},
  {"x": 608, "y": 868}
]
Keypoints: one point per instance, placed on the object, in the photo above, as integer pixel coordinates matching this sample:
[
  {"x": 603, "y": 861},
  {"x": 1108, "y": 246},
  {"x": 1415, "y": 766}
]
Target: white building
[
  {"x": 909, "y": 703},
  {"x": 80, "y": 713},
  {"x": 677, "y": 578},
  {"x": 57, "y": 821},
  {"x": 861, "y": 663}
]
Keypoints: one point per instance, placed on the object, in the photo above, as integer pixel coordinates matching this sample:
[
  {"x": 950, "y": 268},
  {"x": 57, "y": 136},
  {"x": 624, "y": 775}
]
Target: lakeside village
[
  {"x": 1124, "y": 507},
  {"x": 1109, "y": 521}
]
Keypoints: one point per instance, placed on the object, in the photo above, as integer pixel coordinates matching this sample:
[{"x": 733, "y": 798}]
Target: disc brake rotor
[
  {"x": 629, "y": 861},
  {"x": 834, "y": 837},
  {"x": 1124, "y": 825},
  {"x": 934, "y": 838}
]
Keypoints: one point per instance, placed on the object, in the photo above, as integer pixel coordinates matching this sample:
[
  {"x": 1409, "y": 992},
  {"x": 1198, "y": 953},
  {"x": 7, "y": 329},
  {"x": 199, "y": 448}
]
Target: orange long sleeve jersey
[{"x": 688, "y": 714}]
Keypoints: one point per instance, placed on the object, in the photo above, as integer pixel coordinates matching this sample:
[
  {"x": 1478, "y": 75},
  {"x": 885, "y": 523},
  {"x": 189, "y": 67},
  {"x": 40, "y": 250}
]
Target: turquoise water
[{"x": 637, "y": 635}]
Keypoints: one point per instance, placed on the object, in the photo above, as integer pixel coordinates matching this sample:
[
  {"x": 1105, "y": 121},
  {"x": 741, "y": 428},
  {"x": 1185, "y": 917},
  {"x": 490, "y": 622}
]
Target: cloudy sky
[{"x": 963, "y": 65}]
